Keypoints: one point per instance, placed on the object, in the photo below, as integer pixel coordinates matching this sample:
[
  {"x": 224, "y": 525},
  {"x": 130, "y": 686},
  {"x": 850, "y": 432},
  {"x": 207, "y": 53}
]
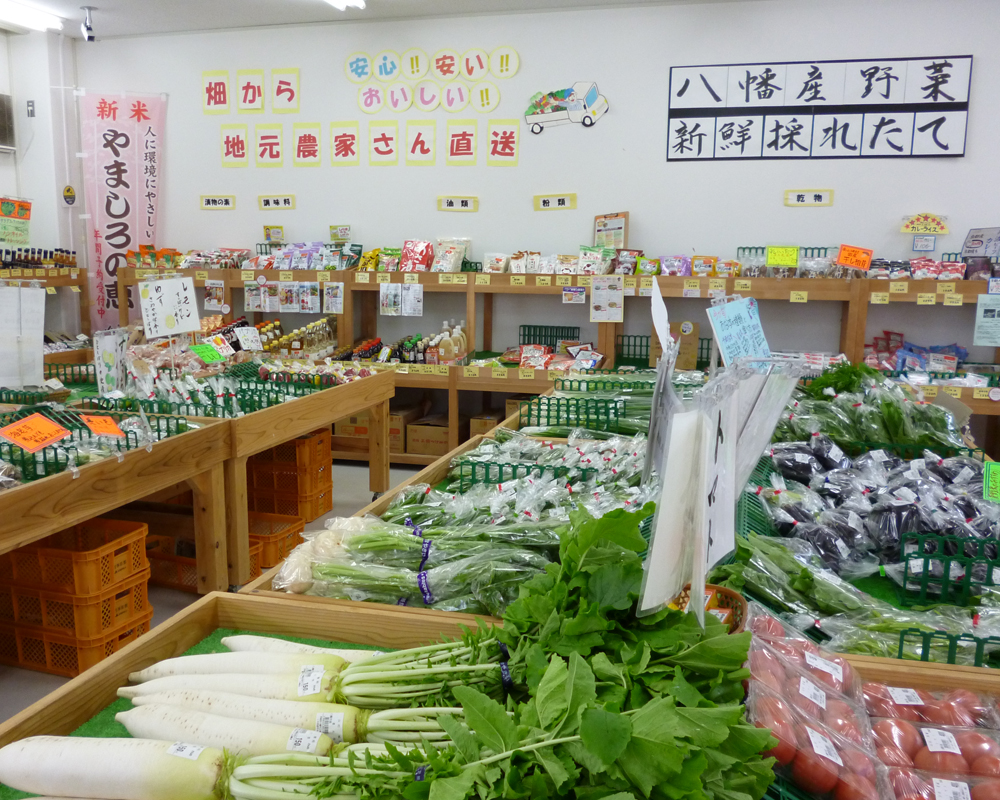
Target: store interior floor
[{"x": 19, "y": 688}]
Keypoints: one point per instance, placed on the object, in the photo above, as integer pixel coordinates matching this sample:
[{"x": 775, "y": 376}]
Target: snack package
[
  {"x": 703, "y": 266},
  {"x": 388, "y": 259},
  {"x": 978, "y": 269},
  {"x": 369, "y": 261},
  {"x": 447, "y": 258},
  {"x": 728, "y": 269},
  {"x": 350, "y": 256},
  {"x": 595, "y": 260},
  {"x": 951, "y": 271},
  {"x": 495, "y": 262},
  {"x": 417, "y": 256},
  {"x": 627, "y": 261},
  {"x": 519, "y": 262},
  {"x": 533, "y": 262},
  {"x": 647, "y": 266},
  {"x": 675, "y": 265},
  {"x": 924, "y": 269},
  {"x": 957, "y": 707},
  {"x": 567, "y": 265},
  {"x": 899, "y": 270}
]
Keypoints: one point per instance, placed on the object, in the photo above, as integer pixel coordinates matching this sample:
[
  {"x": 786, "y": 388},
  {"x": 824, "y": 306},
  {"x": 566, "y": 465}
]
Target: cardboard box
[
  {"x": 485, "y": 422},
  {"x": 686, "y": 335},
  {"x": 514, "y": 402},
  {"x": 356, "y": 426},
  {"x": 429, "y": 436}
]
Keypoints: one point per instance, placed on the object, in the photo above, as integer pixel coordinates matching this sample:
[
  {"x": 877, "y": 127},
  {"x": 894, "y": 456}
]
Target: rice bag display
[
  {"x": 417, "y": 256},
  {"x": 495, "y": 262}
]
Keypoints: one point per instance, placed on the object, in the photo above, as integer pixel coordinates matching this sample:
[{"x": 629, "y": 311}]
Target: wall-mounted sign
[
  {"x": 554, "y": 202},
  {"x": 875, "y": 108},
  {"x": 924, "y": 223},
  {"x": 808, "y": 198},
  {"x": 458, "y": 203},
  {"x": 275, "y": 202},
  {"x": 218, "y": 202}
]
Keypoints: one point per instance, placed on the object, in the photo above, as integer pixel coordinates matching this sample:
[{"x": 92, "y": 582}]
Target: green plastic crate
[
  {"x": 73, "y": 374},
  {"x": 473, "y": 472},
  {"x": 704, "y": 354},
  {"x": 601, "y": 415},
  {"x": 632, "y": 351},
  {"x": 605, "y": 384},
  {"x": 966, "y": 565},
  {"x": 17, "y": 397},
  {"x": 548, "y": 335}
]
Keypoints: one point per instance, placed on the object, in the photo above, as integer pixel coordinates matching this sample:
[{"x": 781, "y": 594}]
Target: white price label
[
  {"x": 332, "y": 724},
  {"x": 939, "y": 741},
  {"x": 822, "y": 746},
  {"x": 810, "y": 691},
  {"x": 802, "y": 458},
  {"x": 951, "y": 790},
  {"x": 310, "y": 679},
  {"x": 185, "y": 750},
  {"x": 904, "y": 697},
  {"x": 879, "y": 455},
  {"x": 836, "y": 453},
  {"x": 855, "y": 521},
  {"x": 918, "y": 463},
  {"x": 905, "y": 494},
  {"x": 829, "y": 667},
  {"x": 303, "y": 741},
  {"x": 964, "y": 476},
  {"x": 842, "y": 548}
]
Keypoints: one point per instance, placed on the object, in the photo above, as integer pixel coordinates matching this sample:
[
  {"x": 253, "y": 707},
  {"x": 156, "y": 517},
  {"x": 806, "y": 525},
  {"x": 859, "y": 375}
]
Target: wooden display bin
[{"x": 65, "y": 709}]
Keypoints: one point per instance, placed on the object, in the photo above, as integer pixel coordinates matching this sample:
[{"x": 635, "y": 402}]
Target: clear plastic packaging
[
  {"x": 933, "y": 748},
  {"x": 959, "y": 706}
]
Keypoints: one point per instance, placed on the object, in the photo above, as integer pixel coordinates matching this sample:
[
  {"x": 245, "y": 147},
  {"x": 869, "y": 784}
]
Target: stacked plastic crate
[
  {"x": 293, "y": 479},
  {"x": 75, "y": 597}
]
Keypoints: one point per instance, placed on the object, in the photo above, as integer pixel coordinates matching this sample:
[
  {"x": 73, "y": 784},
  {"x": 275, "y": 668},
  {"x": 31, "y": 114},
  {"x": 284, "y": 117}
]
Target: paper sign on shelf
[
  {"x": 33, "y": 433},
  {"x": 782, "y": 256},
  {"x": 249, "y": 339},
  {"x": 168, "y": 307},
  {"x": 102, "y": 426},
  {"x": 991, "y": 481},
  {"x": 207, "y": 353},
  {"x": 109, "y": 360},
  {"x": 221, "y": 345},
  {"x": 738, "y": 330},
  {"x": 855, "y": 257}
]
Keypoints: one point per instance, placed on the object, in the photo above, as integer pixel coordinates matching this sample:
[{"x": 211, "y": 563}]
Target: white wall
[
  {"x": 619, "y": 164},
  {"x": 8, "y": 168}
]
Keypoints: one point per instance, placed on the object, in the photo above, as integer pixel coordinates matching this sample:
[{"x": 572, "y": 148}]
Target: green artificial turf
[{"x": 103, "y": 724}]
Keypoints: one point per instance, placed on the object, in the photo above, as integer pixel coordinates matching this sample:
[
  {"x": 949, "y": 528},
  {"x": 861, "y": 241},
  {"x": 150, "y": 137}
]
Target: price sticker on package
[
  {"x": 383, "y": 277},
  {"x": 302, "y": 741},
  {"x": 518, "y": 280},
  {"x": 310, "y": 679},
  {"x": 543, "y": 280},
  {"x": 499, "y": 373},
  {"x": 361, "y": 277},
  {"x": 470, "y": 372},
  {"x": 953, "y": 299},
  {"x": 954, "y": 391},
  {"x": 185, "y": 750},
  {"x": 798, "y": 297},
  {"x": 880, "y": 298},
  {"x": 822, "y": 746},
  {"x": 332, "y": 724},
  {"x": 829, "y": 667},
  {"x": 951, "y": 790},
  {"x": 526, "y": 374},
  {"x": 411, "y": 277},
  {"x": 33, "y": 433},
  {"x": 939, "y": 741},
  {"x": 482, "y": 280},
  {"x": 905, "y": 697},
  {"x": 926, "y": 299},
  {"x": 811, "y": 691},
  {"x": 742, "y": 285},
  {"x": 102, "y": 426}
]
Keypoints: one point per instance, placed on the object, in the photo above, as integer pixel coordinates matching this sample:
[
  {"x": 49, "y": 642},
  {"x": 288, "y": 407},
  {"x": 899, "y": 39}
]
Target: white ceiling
[{"x": 136, "y": 17}]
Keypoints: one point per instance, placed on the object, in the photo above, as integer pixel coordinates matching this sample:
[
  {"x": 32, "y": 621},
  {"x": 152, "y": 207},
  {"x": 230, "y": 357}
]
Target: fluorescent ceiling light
[
  {"x": 343, "y": 5},
  {"x": 29, "y": 17}
]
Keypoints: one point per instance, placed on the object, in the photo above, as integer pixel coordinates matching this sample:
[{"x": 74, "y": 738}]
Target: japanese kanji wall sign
[{"x": 877, "y": 108}]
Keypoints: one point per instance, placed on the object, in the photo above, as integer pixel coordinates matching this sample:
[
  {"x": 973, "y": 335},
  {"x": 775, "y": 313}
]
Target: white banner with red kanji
[{"x": 122, "y": 142}]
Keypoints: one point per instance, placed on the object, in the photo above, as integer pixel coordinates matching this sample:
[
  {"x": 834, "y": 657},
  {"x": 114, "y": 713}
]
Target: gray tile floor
[{"x": 19, "y": 688}]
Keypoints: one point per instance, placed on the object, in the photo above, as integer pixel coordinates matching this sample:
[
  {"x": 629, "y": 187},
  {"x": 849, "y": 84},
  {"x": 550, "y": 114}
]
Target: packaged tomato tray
[
  {"x": 937, "y": 748},
  {"x": 911, "y": 784},
  {"x": 778, "y": 660},
  {"x": 959, "y": 707},
  {"x": 813, "y": 757}
]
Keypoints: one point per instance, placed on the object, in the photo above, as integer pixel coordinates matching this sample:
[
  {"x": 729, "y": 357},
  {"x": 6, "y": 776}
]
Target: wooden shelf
[
  {"x": 968, "y": 290},
  {"x": 394, "y": 458}
]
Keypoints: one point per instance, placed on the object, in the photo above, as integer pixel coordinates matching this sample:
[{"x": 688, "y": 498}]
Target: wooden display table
[
  {"x": 65, "y": 709},
  {"x": 270, "y": 427},
  {"x": 37, "y": 509}
]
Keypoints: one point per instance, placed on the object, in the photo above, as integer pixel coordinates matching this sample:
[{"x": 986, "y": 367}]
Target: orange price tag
[
  {"x": 33, "y": 433},
  {"x": 855, "y": 257},
  {"x": 102, "y": 426}
]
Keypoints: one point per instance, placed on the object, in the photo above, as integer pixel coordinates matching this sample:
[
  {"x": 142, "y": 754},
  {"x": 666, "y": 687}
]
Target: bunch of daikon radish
[{"x": 196, "y": 718}]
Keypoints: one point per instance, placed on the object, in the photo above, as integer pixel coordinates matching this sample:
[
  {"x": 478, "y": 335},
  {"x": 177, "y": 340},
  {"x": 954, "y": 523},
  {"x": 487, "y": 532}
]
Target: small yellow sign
[
  {"x": 953, "y": 299},
  {"x": 926, "y": 299},
  {"x": 499, "y": 373},
  {"x": 554, "y": 375},
  {"x": 543, "y": 280},
  {"x": 322, "y": 275},
  {"x": 799, "y": 297},
  {"x": 441, "y": 369},
  {"x": 692, "y": 283},
  {"x": 201, "y": 275},
  {"x": 411, "y": 277},
  {"x": 954, "y": 391},
  {"x": 50, "y": 289},
  {"x": 361, "y": 277},
  {"x": 646, "y": 281},
  {"x": 782, "y": 256},
  {"x": 53, "y": 273},
  {"x": 930, "y": 391},
  {"x": 899, "y": 287},
  {"x": 981, "y": 393},
  {"x": 879, "y": 298},
  {"x": 470, "y": 372},
  {"x": 445, "y": 278},
  {"x": 924, "y": 223},
  {"x": 246, "y": 275},
  {"x": 585, "y": 280},
  {"x": 564, "y": 280},
  {"x": 946, "y": 288},
  {"x": 742, "y": 285},
  {"x": 383, "y": 277},
  {"x": 716, "y": 284},
  {"x": 518, "y": 280},
  {"x": 526, "y": 374},
  {"x": 554, "y": 202},
  {"x": 630, "y": 282},
  {"x": 286, "y": 276},
  {"x": 482, "y": 279},
  {"x": 75, "y": 289},
  {"x": 460, "y": 279}
]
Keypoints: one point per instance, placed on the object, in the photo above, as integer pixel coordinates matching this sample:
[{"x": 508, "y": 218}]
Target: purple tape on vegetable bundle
[
  {"x": 424, "y": 553},
  {"x": 505, "y": 679},
  {"x": 503, "y": 651},
  {"x": 408, "y": 522},
  {"x": 419, "y": 774},
  {"x": 402, "y": 601},
  {"x": 425, "y": 587}
]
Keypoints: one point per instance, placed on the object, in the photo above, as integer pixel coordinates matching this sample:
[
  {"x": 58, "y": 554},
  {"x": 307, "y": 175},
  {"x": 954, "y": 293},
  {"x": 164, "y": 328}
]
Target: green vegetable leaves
[
  {"x": 605, "y": 735},
  {"x": 487, "y": 719}
]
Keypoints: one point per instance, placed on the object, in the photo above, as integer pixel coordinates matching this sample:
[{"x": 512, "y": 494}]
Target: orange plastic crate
[
  {"x": 83, "y": 560},
  {"x": 62, "y": 654},
  {"x": 85, "y": 617},
  {"x": 178, "y": 572},
  {"x": 284, "y": 476},
  {"x": 276, "y": 534},
  {"x": 309, "y": 506},
  {"x": 307, "y": 453}
]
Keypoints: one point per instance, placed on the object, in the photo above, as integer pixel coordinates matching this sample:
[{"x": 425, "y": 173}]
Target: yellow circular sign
[{"x": 69, "y": 195}]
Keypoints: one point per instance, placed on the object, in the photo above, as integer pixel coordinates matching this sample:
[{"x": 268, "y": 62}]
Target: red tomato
[
  {"x": 773, "y": 708},
  {"x": 858, "y": 763},
  {"x": 986, "y": 765},
  {"x": 942, "y": 712},
  {"x": 927, "y": 761},
  {"x": 785, "y": 750},
  {"x": 787, "y": 651},
  {"x": 838, "y": 709},
  {"x": 848, "y": 730},
  {"x": 814, "y": 773},
  {"x": 906, "y": 783},
  {"x": 872, "y": 689},
  {"x": 987, "y": 790},
  {"x": 800, "y": 701},
  {"x": 975, "y": 745},
  {"x": 767, "y": 627},
  {"x": 825, "y": 677},
  {"x": 854, "y": 787},
  {"x": 766, "y": 668},
  {"x": 963, "y": 697},
  {"x": 893, "y": 757},
  {"x": 898, "y": 733}
]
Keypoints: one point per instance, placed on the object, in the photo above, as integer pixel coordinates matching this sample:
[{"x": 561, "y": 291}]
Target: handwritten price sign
[
  {"x": 33, "y": 433},
  {"x": 855, "y": 257}
]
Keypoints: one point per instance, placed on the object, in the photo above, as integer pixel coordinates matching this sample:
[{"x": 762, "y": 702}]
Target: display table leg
[
  {"x": 378, "y": 447},
  {"x": 210, "y": 529},
  {"x": 237, "y": 523}
]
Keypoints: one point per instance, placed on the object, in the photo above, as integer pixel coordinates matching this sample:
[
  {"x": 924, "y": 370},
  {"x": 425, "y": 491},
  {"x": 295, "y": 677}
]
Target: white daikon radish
[
  {"x": 242, "y": 663},
  {"x": 301, "y": 688},
  {"x": 340, "y": 723},
  {"x": 242, "y": 737},
  {"x": 112, "y": 769},
  {"x": 265, "y": 644}
]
